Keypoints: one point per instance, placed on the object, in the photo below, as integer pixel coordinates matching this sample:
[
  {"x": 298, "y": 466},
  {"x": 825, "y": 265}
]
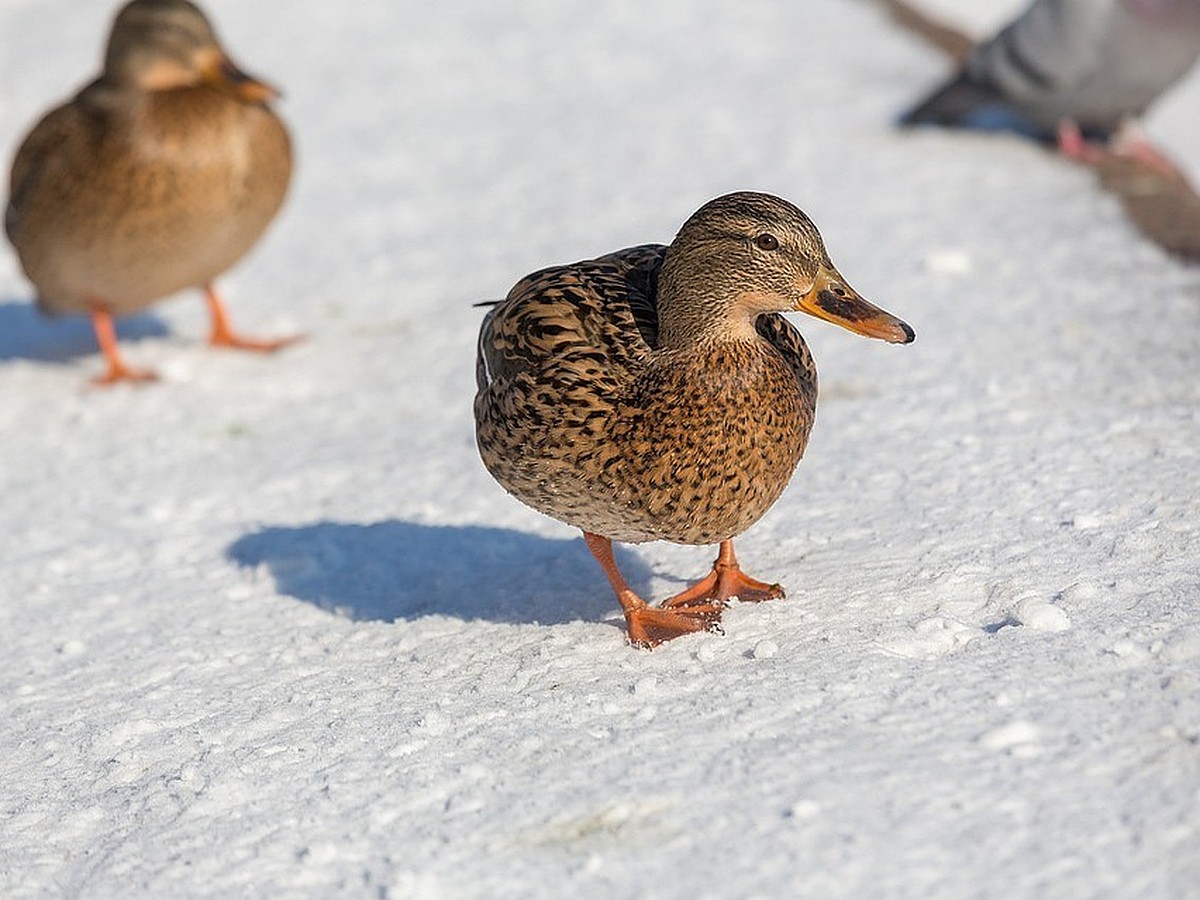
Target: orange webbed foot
[
  {"x": 227, "y": 339},
  {"x": 650, "y": 626},
  {"x": 106, "y": 337},
  {"x": 738, "y": 585},
  {"x": 698, "y": 608},
  {"x": 223, "y": 334},
  {"x": 726, "y": 582},
  {"x": 119, "y": 372}
]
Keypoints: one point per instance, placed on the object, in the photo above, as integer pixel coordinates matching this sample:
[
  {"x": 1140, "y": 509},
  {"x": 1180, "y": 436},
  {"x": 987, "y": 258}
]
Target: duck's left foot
[
  {"x": 258, "y": 345},
  {"x": 737, "y": 585},
  {"x": 223, "y": 334},
  {"x": 725, "y": 582}
]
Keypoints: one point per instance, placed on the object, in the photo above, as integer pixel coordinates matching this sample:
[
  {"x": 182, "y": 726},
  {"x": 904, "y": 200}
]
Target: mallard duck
[
  {"x": 157, "y": 176},
  {"x": 655, "y": 393}
]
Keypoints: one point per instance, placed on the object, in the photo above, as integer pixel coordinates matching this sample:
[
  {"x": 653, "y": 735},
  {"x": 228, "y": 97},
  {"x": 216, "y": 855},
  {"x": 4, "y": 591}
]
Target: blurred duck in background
[
  {"x": 158, "y": 176},
  {"x": 1073, "y": 72}
]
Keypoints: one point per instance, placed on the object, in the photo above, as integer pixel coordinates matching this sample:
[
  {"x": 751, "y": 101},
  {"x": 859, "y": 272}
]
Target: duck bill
[
  {"x": 221, "y": 73},
  {"x": 831, "y": 299}
]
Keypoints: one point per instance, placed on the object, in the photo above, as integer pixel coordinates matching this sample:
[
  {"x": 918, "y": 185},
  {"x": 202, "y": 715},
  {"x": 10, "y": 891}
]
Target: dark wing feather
[
  {"x": 783, "y": 336},
  {"x": 595, "y": 318},
  {"x": 48, "y": 140},
  {"x": 644, "y": 263}
]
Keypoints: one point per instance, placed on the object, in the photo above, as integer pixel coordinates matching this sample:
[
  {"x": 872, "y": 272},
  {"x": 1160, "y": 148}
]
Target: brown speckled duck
[
  {"x": 157, "y": 176},
  {"x": 655, "y": 393}
]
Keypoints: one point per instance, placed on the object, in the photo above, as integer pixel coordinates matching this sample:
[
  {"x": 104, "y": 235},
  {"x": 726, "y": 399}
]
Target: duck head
[
  {"x": 160, "y": 45},
  {"x": 745, "y": 254}
]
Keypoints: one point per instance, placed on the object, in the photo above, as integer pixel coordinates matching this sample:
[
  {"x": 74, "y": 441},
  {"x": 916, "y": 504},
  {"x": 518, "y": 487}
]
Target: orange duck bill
[
  {"x": 831, "y": 299},
  {"x": 221, "y": 73}
]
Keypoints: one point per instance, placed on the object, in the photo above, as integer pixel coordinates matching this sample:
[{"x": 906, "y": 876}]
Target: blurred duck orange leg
[
  {"x": 223, "y": 334},
  {"x": 649, "y": 626},
  {"x": 106, "y": 337}
]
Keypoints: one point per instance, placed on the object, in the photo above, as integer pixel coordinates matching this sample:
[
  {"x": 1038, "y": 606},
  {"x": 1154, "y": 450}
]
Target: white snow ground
[{"x": 271, "y": 630}]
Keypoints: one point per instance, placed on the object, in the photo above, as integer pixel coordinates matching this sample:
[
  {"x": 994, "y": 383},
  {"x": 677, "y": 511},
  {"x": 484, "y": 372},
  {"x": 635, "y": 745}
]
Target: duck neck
[{"x": 698, "y": 309}]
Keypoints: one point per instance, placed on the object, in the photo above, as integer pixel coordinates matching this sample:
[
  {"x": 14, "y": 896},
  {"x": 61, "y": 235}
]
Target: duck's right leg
[
  {"x": 106, "y": 337},
  {"x": 649, "y": 626}
]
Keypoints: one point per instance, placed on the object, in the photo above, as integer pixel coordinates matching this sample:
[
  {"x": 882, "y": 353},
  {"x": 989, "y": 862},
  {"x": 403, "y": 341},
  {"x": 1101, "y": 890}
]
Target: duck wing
[
  {"x": 784, "y": 337},
  {"x": 41, "y": 157},
  {"x": 585, "y": 325}
]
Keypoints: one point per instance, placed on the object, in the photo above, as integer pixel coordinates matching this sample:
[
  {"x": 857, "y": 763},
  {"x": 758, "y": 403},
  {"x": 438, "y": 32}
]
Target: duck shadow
[
  {"x": 27, "y": 334},
  {"x": 401, "y": 570}
]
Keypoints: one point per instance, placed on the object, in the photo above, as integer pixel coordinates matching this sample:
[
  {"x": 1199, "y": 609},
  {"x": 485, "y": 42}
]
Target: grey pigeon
[{"x": 1091, "y": 64}]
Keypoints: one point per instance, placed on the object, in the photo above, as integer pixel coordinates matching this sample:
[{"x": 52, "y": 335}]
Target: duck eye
[{"x": 767, "y": 242}]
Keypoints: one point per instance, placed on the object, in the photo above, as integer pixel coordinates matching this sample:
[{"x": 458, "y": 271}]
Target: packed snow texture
[{"x": 270, "y": 629}]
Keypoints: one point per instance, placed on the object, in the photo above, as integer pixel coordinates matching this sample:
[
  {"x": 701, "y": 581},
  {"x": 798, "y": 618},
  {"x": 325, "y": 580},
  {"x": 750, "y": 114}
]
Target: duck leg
[
  {"x": 223, "y": 334},
  {"x": 649, "y": 626},
  {"x": 106, "y": 337},
  {"x": 725, "y": 582}
]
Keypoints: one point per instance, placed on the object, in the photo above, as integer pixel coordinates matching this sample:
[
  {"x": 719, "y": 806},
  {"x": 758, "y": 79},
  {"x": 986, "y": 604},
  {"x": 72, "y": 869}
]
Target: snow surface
[{"x": 271, "y": 630}]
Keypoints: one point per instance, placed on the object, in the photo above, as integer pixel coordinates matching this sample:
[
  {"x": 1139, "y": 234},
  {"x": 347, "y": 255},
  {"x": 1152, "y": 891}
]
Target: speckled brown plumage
[
  {"x": 158, "y": 176},
  {"x": 617, "y": 439},
  {"x": 656, "y": 394}
]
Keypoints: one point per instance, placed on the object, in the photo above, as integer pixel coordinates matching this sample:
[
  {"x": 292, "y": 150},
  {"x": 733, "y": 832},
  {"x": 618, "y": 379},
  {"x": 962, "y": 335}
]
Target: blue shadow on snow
[
  {"x": 27, "y": 334},
  {"x": 401, "y": 570}
]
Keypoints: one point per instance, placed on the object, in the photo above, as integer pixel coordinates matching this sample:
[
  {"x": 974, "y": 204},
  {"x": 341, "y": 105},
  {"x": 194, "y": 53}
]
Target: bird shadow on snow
[
  {"x": 401, "y": 570},
  {"x": 27, "y": 334}
]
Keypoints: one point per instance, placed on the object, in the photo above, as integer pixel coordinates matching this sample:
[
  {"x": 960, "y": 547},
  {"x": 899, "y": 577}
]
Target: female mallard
[
  {"x": 157, "y": 176},
  {"x": 656, "y": 394}
]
